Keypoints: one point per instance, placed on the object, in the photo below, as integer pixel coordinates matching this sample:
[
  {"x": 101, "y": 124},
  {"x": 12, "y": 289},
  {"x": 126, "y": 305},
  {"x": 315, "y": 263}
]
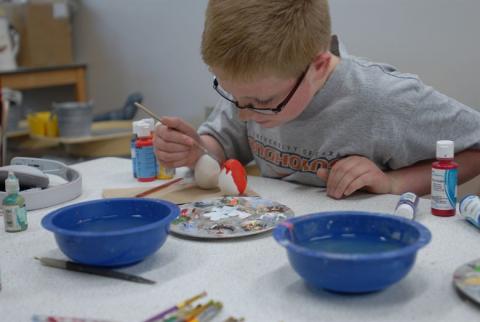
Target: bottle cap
[
  {"x": 405, "y": 211},
  {"x": 11, "y": 183},
  {"x": 445, "y": 149},
  {"x": 134, "y": 127},
  {"x": 465, "y": 201},
  {"x": 151, "y": 123},
  {"x": 143, "y": 130}
]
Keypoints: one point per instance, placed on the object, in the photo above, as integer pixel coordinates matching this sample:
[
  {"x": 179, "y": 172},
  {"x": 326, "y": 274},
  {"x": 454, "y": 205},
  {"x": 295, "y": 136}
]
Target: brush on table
[
  {"x": 158, "y": 188},
  {"x": 94, "y": 270},
  {"x": 175, "y": 308}
]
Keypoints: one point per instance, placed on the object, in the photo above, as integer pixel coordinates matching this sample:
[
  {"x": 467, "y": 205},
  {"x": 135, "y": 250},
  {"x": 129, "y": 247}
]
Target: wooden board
[{"x": 179, "y": 193}]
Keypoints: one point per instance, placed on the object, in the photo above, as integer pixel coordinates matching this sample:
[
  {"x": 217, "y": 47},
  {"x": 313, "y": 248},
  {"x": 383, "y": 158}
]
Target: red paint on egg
[{"x": 239, "y": 174}]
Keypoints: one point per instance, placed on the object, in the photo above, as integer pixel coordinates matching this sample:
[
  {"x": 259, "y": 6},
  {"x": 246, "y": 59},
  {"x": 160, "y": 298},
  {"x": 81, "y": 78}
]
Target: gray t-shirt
[{"x": 365, "y": 108}]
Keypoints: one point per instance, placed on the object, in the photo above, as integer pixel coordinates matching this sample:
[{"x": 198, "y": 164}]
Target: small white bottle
[
  {"x": 13, "y": 205},
  {"x": 407, "y": 205},
  {"x": 470, "y": 209}
]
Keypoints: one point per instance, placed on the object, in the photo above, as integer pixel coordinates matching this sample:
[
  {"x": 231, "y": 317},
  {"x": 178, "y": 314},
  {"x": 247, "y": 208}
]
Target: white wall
[
  {"x": 436, "y": 39},
  {"x": 153, "y": 46}
]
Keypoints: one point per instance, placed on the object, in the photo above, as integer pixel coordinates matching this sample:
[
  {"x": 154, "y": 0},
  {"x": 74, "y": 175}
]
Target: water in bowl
[
  {"x": 352, "y": 244},
  {"x": 111, "y": 223}
]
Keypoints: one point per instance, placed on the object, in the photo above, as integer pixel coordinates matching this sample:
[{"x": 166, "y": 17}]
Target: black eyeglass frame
[{"x": 275, "y": 110}]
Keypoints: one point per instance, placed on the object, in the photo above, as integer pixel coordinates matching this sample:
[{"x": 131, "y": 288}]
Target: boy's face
[{"x": 265, "y": 94}]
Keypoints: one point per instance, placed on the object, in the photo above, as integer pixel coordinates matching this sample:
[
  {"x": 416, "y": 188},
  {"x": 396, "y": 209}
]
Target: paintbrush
[
  {"x": 185, "y": 180},
  {"x": 51, "y": 318},
  {"x": 158, "y": 188},
  {"x": 157, "y": 118},
  {"x": 94, "y": 270},
  {"x": 175, "y": 308},
  {"x": 205, "y": 313}
]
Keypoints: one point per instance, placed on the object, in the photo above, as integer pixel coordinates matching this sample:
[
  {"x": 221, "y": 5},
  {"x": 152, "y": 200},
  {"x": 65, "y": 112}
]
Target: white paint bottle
[
  {"x": 407, "y": 205},
  {"x": 470, "y": 209}
]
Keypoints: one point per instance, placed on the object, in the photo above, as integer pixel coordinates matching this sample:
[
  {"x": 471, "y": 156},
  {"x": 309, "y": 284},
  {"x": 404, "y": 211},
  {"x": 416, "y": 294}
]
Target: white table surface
[{"x": 251, "y": 276}]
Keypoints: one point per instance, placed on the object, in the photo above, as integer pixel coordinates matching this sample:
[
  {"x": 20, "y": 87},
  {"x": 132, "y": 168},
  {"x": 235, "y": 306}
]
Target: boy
[{"x": 305, "y": 110}]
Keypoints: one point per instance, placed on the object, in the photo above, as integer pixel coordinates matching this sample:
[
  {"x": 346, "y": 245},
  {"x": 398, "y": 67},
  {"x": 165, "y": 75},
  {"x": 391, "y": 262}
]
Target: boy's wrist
[{"x": 394, "y": 185}]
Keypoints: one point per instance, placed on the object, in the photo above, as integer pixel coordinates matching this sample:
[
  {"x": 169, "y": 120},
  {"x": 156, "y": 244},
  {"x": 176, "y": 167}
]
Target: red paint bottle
[
  {"x": 444, "y": 180},
  {"x": 146, "y": 164}
]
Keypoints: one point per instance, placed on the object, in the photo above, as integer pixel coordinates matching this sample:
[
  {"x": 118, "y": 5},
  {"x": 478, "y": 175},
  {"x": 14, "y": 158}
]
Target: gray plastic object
[
  {"x": 38, "y": 198},
  {"x": 74, "y": 118},
  {"x": 28, "y": 177}
]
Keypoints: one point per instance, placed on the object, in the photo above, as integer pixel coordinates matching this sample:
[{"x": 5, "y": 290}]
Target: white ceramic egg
[
  {"x": 233, "y": 178},
  {"x": 206, "y": 172},
  {"x": 226, "y": 183}
]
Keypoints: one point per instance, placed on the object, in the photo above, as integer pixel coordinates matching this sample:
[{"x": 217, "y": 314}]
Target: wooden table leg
[{"x": 80, "y": 86}]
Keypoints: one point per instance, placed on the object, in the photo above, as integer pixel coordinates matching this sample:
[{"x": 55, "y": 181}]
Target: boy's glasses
[{"x": 275, "y": 110}]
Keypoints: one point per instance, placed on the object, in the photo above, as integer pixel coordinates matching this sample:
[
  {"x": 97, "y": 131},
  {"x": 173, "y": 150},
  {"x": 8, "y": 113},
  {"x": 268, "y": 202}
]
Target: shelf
[
  {"x": 106, "y": 130},
  {"x": 109, "y": 138}
]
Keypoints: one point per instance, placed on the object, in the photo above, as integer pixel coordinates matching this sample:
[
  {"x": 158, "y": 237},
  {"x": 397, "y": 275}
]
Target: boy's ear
[{"x": 321, "y": 63}]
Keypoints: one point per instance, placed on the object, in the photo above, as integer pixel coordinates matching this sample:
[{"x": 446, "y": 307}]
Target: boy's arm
[
  {"x": 417, "y": 178},
  {"x": 359, "y": 173}
]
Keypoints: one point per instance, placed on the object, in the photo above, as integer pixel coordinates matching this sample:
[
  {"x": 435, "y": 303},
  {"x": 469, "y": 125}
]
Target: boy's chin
[{"x": 269, "y": 124}]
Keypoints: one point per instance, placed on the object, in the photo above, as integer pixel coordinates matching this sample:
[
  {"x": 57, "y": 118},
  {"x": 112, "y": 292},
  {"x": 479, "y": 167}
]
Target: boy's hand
[
  {"x": 353, "y": 173},
  {"x": 174, "y": 142}
]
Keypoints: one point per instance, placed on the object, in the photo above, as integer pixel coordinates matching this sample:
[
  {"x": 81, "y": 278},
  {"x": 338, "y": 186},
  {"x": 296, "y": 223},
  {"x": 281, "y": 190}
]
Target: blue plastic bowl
[
  {"x": 111, "y": 232},
  {"x": 351, "y": 251}
]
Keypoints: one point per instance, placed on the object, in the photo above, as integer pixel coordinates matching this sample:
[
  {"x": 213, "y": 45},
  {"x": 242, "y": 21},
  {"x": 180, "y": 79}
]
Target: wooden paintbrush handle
[{"x": 158, "y": 188}]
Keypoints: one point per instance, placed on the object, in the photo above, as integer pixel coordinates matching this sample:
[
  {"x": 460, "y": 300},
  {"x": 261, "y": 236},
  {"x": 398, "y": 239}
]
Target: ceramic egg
[
  {"x": 233, "y": 178},
  {"x": 206, "y": 172}
]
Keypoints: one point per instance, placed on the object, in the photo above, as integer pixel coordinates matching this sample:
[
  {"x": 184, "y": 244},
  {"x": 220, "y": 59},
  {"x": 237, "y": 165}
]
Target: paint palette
[
  {"x": 229, "y": 217},
  {"x": 467, "y": 280}
]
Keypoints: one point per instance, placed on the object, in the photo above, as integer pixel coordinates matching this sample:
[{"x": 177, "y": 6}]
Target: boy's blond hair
[{"x": 254, "y": 38}]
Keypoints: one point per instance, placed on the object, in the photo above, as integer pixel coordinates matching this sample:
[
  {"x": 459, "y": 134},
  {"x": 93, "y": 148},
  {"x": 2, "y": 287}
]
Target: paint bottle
[
  {"x": 133, "y": 140},
  {"x": 14, "y": 211},
  {"x": 470, "y": 209},
  {"x": 145, "y": 157},
  {"x": 444, "y": 180},
  {"x": 163, "y": 173},
  {"x": 407, "y": 205}
]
